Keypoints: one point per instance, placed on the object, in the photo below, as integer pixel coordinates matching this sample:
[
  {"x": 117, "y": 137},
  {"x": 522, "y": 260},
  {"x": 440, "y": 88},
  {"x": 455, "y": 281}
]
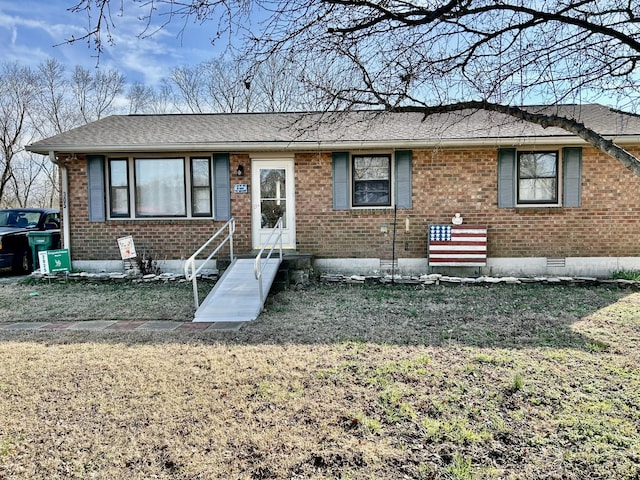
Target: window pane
[
  {"x": 119, "y": 201},
  {"x": 372, "y": 192},
  {"x": 200, "y": 172},
  {"x": 371, "y": 168},
  {"x": 538, "y": 177},
  {"x": 371, "y": 180},
  {"x": 160, "y": 187},
  {"x": 201, "y": 187},
  {"x": 119, "y": 191},
  {"x": 201, "y": 201},
  {"x": 533, "y": 165},
  {"x": 273, "y": 193},
  {"x": 546, "y": 165},
  {"x": 527, "y": 166},
  {"x": 271, "y": 211},
  {"x": 273, "y": 183},
  {"x": 118, "y": 173},
  {"x": 538, "y": 189}
]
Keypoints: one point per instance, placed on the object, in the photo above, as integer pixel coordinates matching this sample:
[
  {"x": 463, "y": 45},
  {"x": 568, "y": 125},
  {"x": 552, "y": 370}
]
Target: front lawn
[{"x": 350, "y": 382}]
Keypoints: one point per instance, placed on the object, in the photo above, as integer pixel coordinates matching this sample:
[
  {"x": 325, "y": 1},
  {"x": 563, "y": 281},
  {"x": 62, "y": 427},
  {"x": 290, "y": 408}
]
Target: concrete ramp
[{"x": 236, "y": 295}]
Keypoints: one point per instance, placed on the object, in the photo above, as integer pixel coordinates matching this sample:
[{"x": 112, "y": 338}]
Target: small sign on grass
[
  {"x": 127, "y": 248},
  {"x": 54, "y": 261}
]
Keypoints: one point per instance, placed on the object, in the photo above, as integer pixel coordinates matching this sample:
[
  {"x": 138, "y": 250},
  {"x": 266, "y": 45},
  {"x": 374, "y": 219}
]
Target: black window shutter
[
  {"x": 572, "y": 170},
  {"x": 341, "y": 181},
  {"x": 221, "y": 186},
  {"x": 507, "y": 178},
  {"x": 403, "y": 179},
  {"x": 95, "y": 184}
]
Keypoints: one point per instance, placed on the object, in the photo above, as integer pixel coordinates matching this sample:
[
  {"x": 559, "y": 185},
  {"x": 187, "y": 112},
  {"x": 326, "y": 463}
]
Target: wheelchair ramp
[{"x": 236, "y": 295}]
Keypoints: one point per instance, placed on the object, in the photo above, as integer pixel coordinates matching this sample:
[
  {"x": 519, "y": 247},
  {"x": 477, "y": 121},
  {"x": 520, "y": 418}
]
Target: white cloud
[{"x": 33, "y": 31}]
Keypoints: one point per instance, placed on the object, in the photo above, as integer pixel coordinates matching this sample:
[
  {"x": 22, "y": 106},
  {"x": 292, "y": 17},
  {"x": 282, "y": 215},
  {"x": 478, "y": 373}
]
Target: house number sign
[{"x": 240, "y": 188}]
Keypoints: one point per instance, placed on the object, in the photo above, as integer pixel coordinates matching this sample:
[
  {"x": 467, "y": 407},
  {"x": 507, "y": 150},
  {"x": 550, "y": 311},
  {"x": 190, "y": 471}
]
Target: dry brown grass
[
  {"x": 43, "y": 301},
  {"x": 337, "y": 382}
]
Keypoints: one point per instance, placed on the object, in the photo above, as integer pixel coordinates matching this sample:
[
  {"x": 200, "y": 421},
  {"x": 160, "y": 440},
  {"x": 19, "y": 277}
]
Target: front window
[
  {"x": 119, "y": 187},
  {"x": 160, "y": 187},
  {"x": 371, "y": 180},
  {"x": 201, "y": 187},
  {"x": 538, "y": 177}
]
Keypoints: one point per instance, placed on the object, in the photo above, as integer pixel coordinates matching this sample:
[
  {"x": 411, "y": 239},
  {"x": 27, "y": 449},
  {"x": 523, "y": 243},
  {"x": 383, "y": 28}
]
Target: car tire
[{"x": 22, "y": 262}]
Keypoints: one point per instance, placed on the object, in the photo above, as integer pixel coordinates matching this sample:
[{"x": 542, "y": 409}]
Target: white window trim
[
  {"x": 131, "y": 179},
  {"x": 392, "y": 165},
  {"x": 559, "y": 179}
]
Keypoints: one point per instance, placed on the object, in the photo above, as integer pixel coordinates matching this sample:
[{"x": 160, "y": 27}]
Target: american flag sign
[{"x": 457, "y": 245}]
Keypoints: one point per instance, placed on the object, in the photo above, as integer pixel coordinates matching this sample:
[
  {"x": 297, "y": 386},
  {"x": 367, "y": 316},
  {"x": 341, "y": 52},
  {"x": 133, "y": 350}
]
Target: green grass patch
[
  {"x": 626, "y": 275},
  {"x": 339, "y": 382}
]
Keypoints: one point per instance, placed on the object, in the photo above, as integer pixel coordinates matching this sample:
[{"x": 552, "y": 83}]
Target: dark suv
[{"x": 15, "y": 225}]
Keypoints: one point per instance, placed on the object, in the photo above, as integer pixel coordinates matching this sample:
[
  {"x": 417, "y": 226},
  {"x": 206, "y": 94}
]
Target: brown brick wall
[
  {"x": 465, "y": 181},
  {"x": 160, "y": 239},
  {"x": 444, "y": 182}
]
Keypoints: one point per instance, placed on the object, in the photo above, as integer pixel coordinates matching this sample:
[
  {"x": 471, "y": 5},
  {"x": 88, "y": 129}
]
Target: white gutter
[
  {"x": 64, "y": 197},
  {"x": 279, "y": 146}
]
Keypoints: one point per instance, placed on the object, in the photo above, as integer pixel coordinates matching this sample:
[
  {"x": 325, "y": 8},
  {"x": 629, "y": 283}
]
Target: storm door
[{"x": 273, "y": 196}]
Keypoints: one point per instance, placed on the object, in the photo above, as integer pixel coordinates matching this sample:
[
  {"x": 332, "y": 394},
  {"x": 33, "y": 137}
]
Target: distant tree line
[
  {"x": 432, "y": 57},
  {"x": 40, "y": 102},
  {"x": 427, "y": 56}
]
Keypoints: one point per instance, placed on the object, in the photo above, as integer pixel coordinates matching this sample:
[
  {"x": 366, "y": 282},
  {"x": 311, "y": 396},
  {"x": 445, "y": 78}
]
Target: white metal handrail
[
  {"x": 190, "y": 270},
  {"x": 258, "y": 266}
]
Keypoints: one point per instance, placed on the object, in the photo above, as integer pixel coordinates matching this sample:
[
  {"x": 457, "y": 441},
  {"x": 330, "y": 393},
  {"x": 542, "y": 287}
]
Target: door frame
[{"x": 258, "y": 233}]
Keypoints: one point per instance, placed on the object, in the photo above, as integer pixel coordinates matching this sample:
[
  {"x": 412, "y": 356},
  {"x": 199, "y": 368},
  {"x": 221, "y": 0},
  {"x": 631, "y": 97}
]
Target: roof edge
[{"x": 326, "y": 146}]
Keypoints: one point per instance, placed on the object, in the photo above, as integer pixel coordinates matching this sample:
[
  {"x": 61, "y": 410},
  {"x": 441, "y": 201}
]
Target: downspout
[{"x": 64, "y": 196}]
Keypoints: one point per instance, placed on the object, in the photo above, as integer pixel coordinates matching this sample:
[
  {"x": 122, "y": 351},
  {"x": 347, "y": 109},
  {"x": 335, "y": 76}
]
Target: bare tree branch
[
  {"x": 437, "y": 55},
  {"x": 545, "y": 120},
  {"x": 18, "y": 87}
]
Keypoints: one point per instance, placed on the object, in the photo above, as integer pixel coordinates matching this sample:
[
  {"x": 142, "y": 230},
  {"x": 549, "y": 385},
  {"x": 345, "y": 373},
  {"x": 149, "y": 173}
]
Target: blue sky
[{"x": 31, "y": 29}]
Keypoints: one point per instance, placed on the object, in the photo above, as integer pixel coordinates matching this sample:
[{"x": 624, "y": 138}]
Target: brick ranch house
[{"x": 551, "y": 203}]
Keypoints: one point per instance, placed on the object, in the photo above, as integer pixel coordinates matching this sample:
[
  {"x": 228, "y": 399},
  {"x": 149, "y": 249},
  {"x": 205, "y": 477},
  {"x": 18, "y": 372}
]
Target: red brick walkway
[{"x": 123, "y": 326}]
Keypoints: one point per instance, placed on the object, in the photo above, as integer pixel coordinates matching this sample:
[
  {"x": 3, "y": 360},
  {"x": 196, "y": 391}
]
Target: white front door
[{"x": 272, "y": 197}]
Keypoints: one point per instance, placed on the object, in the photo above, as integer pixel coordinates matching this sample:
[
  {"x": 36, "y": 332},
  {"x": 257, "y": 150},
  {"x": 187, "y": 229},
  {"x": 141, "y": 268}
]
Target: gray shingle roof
[{"x": 304, "y": 131}]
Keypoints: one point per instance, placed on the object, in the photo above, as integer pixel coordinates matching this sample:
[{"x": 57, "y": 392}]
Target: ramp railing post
[
  {"x": 190, "y": 270},
  {"x": 259, "y": 266},
  {"x": 280, "y": 237}
]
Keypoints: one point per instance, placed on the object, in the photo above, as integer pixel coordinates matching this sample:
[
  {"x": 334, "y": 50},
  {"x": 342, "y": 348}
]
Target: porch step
[
  {"x": 282, "y": 279},
  {"x": 296, "y": 268}
]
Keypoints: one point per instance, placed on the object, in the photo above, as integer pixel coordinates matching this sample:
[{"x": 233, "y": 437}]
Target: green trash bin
[{"x": 41, "y": 241}]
